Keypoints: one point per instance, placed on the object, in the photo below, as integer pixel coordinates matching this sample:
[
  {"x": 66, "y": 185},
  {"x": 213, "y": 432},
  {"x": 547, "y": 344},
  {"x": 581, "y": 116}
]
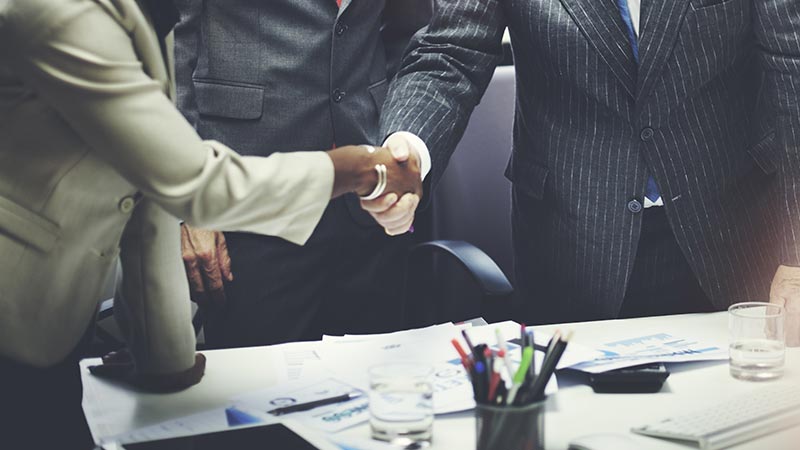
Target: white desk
[{"x": 575, "y": 411}]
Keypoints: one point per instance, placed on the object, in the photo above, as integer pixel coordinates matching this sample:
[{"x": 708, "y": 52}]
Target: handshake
[{"x": 388, "y": 180}]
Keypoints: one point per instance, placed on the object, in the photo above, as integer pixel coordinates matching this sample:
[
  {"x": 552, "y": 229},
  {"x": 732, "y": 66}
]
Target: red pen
[
  {"x": 464, "y": 357},
  {"x": 494, "y": 381}
]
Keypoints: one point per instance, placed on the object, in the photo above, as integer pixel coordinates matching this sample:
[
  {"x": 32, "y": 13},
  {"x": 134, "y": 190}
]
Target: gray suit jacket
[
  {"x": 712, "y": 112},
  {"x": 267, "y": 76}
]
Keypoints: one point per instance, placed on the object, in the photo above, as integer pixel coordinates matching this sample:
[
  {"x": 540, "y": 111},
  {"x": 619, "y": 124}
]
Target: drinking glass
[
  {"x": 401, "y": 402},
  {"x": 756, "y": 340}
]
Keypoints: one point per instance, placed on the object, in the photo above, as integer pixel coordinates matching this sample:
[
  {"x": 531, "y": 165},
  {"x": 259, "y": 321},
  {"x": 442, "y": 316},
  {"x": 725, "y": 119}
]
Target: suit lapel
[
  {"x": 660, "y": 24},
  {"x": 603, "y": 26}
]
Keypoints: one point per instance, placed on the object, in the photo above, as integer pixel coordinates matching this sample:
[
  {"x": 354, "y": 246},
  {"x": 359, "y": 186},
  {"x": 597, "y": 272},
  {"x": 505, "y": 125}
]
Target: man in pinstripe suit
[{"x": 655, "y": 165}]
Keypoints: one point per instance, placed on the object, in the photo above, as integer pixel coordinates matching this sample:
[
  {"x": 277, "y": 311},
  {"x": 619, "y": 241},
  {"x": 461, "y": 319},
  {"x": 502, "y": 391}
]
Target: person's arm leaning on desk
[{"x": 85, "y": 61}]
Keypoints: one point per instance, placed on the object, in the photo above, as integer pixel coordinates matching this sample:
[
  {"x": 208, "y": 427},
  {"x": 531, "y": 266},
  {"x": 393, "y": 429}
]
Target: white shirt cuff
[{"x": 416, "y": 144}]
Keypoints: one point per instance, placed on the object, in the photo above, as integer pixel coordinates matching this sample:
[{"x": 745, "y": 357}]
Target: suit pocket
[
  {"x": 378, "y": 92},
  {"x": 229, "y": 100},
  {"x": 763, "y": 153},
  {"x": 530, "y": 178},
  {"x": 26, "y": 226}
]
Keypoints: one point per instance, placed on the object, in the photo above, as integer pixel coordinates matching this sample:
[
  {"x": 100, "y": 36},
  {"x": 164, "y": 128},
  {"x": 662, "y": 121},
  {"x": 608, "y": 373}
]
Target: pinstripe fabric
[{"x": 711, "y": 112}]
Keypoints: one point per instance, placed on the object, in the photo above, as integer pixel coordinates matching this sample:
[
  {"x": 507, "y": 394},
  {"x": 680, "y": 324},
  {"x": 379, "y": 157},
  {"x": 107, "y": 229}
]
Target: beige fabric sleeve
[{"x": 95, "y": 80}]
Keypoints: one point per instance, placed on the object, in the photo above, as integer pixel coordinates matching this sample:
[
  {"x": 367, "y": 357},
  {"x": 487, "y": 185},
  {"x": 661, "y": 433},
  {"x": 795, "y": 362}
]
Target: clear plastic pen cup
[
  {"x": 510, "y": 428},
  {"x": 757, "y": 340},
  {"x": 401, "y": 403}
]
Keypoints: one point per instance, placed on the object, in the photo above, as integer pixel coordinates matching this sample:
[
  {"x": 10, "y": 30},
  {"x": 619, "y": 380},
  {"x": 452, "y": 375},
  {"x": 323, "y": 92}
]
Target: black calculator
[{"x": 647, "y": 378}]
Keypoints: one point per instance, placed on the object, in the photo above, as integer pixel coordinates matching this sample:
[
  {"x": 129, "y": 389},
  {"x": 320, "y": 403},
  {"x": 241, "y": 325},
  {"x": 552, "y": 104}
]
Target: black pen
[
  {"x": 549, "y": 365},
  {"x": 316, "y": 403}
]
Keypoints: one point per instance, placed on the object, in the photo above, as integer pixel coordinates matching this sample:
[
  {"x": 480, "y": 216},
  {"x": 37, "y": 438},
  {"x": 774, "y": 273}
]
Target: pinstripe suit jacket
[{"x": 712, "y": 112}]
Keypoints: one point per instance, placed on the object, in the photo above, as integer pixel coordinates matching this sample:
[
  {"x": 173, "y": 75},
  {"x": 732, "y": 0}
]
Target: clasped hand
[{"x": 395, "y": 211}]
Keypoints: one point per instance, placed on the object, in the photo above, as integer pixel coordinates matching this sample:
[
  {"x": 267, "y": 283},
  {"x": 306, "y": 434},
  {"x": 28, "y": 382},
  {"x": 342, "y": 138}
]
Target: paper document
[
  {"x": 659, "y": 347},
  {"x": 206, "y": 422},
  {"x": 350, "y": 358},
  {"x": 328, "y": 418}
]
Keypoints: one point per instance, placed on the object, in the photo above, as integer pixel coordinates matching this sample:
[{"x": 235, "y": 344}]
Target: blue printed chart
[{"x": 658, "y": 347}]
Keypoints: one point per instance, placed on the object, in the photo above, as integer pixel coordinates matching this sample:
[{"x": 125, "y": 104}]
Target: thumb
[{"x": 399, "y": 151}]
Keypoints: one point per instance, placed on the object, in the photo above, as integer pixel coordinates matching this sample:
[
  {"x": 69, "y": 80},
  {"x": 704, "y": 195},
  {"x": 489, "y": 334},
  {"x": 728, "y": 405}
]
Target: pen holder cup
[{"x": 510, "y": 427}]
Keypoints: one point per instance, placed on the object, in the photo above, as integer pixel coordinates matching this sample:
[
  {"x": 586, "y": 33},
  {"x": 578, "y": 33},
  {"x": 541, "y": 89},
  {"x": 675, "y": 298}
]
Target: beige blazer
[{"x": 96, "y": 162}]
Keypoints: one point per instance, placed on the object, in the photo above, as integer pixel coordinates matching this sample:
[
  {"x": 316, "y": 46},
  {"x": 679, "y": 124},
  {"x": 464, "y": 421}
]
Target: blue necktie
[{"x": 651, "y": 191}]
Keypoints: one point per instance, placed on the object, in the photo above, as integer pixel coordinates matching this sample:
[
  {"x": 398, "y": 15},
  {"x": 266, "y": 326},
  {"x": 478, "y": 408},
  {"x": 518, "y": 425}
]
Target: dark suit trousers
[
  {"x": 41, "y": 407},
  {"x": 347, "y": 279}
]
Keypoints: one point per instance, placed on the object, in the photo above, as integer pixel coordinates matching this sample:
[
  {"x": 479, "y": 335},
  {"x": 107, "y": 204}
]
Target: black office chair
[
  {"x": 449, "y": 279},
  {"x": 452, "y": 281}
]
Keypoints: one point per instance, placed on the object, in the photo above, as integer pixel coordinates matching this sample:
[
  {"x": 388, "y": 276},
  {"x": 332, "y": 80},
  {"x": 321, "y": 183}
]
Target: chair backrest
[{"x": 473, "y": 199}]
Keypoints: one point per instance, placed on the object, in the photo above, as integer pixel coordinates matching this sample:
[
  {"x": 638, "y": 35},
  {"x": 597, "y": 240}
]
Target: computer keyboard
[{"x": 733, "y": 421}]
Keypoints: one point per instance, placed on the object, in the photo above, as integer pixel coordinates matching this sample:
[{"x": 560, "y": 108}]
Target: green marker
[{"x": 519, "y": 377}]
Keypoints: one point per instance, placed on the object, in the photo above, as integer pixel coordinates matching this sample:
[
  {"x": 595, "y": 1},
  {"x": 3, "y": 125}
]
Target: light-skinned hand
[{"x": 785, "y": 291}]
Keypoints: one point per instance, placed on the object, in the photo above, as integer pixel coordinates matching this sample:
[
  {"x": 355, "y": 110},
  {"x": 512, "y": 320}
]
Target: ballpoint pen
[
  {"x": 468, "y": 341},
  {"x": 532, "y": 344},
  {"x": 479, "y": 383},
  {"x": 465, "y": 360},
  {"x": 501, "y": 344},
  {"x": 314, "y": 404},
  {"x": 549, "y": 365}
]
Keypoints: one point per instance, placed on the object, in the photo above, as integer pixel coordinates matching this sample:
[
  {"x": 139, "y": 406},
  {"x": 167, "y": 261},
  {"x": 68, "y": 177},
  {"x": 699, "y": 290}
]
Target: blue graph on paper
[
  {"x": 659, "y": 347},
  {"x": 661, "y": 344}
]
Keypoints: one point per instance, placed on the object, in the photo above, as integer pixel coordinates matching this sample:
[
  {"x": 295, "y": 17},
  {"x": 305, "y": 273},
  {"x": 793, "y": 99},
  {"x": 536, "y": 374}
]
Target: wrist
[{"x": 354, "y": 171}]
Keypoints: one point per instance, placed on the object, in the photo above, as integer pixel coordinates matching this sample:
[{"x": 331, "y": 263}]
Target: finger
[
  {"x": 212, "y": 274},
  {"x": 380, "y": 204},
  {"x": 400, "y": 229},
  {"x": 191, "y": 265},
  {"x": 224, "y": 257},
  {"x": 399, "y": 212},
  {"x": 399, "y": 150},
  {"x": 398, "y": 221},
  {"x": 197, "y": 290},
  {"x": 212, "y": 278}
]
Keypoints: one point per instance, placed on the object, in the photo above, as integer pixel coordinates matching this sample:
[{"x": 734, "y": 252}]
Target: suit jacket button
[
  {"x": 341, "y": 29},
  {"x": 126, "y": 205},
  {"x": 338, "y": 95},
  {"x": 647, "y": 134},
  {"x": 635, "y": 206}
]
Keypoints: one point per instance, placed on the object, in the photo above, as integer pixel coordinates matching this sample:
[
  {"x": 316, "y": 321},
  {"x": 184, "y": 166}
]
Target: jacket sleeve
[
  {"x": 443, "y": 76},
  {"x": 152, "y": 304},
  {"x": 96, "y": 83},
  {"x": 777, "y": 32}
]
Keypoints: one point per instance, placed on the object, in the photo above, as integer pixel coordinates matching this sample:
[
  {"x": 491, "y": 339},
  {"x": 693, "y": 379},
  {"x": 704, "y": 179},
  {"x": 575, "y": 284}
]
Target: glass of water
[
  {"x": 401, "y": 403},
  {"x": 756, "y": 340}
]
